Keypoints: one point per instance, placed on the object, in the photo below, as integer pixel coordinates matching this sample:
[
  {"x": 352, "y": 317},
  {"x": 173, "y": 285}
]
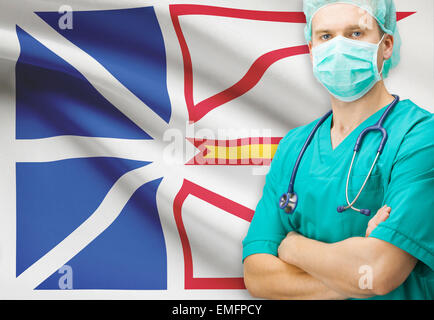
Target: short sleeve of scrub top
[
  {"x": 410, "y": 225},
  {"x": 266, "y": 230}
]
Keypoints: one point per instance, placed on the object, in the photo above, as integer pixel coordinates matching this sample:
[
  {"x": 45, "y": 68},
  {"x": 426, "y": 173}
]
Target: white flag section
[{"x": 112, "y": 184}]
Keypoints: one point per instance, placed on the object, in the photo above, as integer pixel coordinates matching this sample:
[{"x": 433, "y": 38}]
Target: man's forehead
[{"x": 342, "y": 17}]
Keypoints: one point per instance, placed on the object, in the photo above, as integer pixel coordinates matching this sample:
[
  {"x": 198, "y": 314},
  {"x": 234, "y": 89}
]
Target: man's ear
[
  {"x": 310, "y": 50},
  {"x": 388, "y": 46}
]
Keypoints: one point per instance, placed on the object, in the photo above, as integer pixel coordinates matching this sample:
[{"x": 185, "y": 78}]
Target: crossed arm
[{"x": 310, "y": 269}]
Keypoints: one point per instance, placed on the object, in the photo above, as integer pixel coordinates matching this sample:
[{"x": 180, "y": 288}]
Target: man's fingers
[
  {"x": 381, "y": 216},
  {"x": 384, "y": 214}
]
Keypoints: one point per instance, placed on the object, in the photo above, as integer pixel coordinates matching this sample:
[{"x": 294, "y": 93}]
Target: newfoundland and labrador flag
[{"x": 136, "y": 135}]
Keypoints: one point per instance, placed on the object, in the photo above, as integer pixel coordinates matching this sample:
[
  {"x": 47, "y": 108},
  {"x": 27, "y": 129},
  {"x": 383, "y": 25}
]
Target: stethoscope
[{"x": 289, "y": 200}]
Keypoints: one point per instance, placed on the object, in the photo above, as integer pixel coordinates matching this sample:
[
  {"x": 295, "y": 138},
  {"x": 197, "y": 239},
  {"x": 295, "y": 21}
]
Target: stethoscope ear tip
[{"x": 365, "y": 212}]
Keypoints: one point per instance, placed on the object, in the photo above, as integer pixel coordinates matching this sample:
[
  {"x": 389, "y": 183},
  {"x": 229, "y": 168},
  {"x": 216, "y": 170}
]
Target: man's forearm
[
  {"x": 337, "y": 265},
  {"x": 267, "y": 276},
  {"x": 341, "y": 265}
]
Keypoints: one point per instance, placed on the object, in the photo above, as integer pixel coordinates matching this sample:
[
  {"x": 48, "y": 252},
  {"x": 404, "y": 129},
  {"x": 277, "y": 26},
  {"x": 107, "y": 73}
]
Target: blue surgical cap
[{"x": 383, "y": 11}]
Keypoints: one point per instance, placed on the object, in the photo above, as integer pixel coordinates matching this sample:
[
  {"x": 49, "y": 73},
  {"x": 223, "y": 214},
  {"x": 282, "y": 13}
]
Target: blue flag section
[
  {"x": 54, "y": 198},
  {"x": 129, "y": 44},
  {"x": 54, "y": 99}
]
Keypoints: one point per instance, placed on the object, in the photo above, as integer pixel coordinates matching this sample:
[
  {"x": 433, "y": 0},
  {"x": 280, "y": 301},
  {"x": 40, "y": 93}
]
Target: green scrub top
[{"x": 403, "y": 178}]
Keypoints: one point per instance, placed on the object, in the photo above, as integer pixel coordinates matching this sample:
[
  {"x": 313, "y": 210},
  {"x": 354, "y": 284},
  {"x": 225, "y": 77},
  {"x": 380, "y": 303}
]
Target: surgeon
[{"x": 329, "y": 247}]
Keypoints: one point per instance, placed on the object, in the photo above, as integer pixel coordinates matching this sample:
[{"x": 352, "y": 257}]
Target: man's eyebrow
[{"x": 322, "y": 31}]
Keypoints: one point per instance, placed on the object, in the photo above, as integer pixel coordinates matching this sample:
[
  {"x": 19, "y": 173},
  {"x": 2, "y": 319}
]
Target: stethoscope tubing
[{"x": 303, "y": 150}]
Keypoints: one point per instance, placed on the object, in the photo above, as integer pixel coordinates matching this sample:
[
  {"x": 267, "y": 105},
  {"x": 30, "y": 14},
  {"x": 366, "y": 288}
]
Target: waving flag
[{"x": 136, "y": 136}]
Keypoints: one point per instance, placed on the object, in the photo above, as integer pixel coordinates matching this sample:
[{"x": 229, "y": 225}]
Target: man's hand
[
  {"x": 287, "y": 246},
  {"x": 381, "y": 216}
]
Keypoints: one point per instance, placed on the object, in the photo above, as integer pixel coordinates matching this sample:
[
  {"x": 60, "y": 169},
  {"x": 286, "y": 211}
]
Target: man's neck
[{"x": 349, "y": 115}]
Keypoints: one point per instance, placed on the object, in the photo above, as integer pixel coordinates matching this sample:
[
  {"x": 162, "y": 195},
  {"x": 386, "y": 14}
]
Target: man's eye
[
  {"x": 325, "y": 37},
  {"x": 357, "y": 34}
]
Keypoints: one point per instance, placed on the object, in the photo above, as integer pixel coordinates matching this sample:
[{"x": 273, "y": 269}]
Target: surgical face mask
[{"x": 347, "y": 68}]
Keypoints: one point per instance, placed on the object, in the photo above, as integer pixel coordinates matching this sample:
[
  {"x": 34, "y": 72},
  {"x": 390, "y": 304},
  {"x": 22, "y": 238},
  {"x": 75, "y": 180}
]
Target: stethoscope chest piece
[{"x": 288, "y": 202}]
